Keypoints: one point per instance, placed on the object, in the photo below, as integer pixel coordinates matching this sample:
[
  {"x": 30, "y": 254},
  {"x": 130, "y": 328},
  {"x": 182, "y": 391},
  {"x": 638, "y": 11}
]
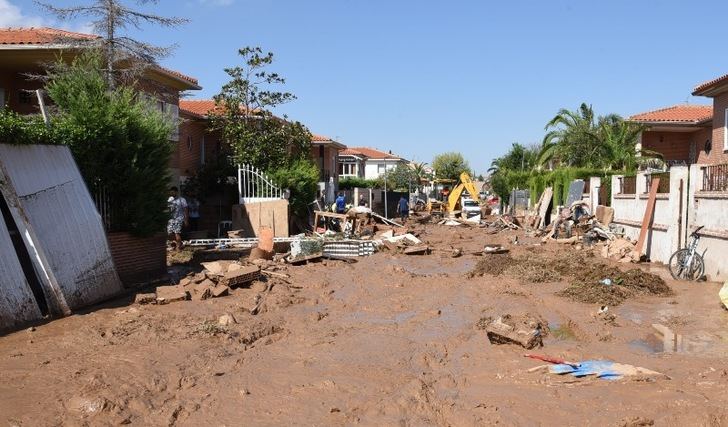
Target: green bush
[
  {"x": 301, "y": 178},
  {"x": 17, "y": 129},
  {"x": 355, "y": 182}
]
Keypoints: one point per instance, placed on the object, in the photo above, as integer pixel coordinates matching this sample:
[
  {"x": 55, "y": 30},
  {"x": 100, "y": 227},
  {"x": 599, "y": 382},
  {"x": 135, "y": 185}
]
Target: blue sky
[{"x": 424, "y": 77}]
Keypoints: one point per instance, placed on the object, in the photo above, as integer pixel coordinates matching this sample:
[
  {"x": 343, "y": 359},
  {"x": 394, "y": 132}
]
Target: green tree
[
  {"x": 244, "y": 115},
  {"x": 571, "y": 139},
  {"x": 449, "y": 165},
  {"x": 119, "y": 142},
  {"x": 301, "y": 178},
  {"x": 518, "y": 158},
  {"x": 401, "y": 178}
]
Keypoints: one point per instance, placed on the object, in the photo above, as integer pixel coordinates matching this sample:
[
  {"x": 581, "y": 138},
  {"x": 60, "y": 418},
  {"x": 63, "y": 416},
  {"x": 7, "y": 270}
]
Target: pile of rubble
[{"x": 215, "y": 281}]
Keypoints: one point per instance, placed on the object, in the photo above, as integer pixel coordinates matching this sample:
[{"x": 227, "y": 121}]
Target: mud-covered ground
[{"x": 390, "y": 340}]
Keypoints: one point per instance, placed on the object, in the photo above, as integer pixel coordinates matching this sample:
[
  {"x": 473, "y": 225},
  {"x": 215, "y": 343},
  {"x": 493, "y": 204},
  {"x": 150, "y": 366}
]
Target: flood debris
[
  {"x": 169, "y": 294},
  {"x": 604, "y": 369},
  {"x": 524, "y": 330}
]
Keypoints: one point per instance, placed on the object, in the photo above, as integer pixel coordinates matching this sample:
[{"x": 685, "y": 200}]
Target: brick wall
[
  {"x": 194, "y": 133},
  {"x": 672, "y": 145},
  {"x": 718, "y": 154},
  {"x": 138, "y": 259}
]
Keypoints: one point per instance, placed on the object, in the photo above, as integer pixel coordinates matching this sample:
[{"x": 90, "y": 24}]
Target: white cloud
[
  {"x": 214, "y": 2},
  {"x": 11, "y": 16}
]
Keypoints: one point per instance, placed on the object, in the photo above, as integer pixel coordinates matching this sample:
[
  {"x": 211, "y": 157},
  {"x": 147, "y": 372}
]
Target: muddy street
[{"x": 390, "y": 340}]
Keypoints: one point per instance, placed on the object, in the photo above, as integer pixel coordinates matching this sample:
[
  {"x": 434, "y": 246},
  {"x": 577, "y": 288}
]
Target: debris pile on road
[
  {"x": 215, "y": 281},
  {"x": 524, "y": 330}
]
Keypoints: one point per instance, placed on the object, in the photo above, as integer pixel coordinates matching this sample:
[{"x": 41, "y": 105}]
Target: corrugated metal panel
[
  {"x": 56, "y": 204},
  {"x": 17, "y": 303}
]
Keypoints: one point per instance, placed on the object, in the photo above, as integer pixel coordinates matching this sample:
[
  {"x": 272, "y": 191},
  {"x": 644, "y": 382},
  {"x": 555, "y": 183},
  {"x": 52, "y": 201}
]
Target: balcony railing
[{"x": 715, "y": 178}]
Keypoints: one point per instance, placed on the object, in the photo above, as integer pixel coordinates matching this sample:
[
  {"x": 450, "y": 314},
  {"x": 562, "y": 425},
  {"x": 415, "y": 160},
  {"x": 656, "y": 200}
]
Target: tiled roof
[
  {"x": 368, "y": 152},
  {"x": 687, "y": 114},
  {"x": 197, "y": 107},
  {"x": 40, "y": 35},
  {"x": 320, "y": 138},
  {"x": 200, "y": 107},
  {"x": 31, "y": 36},
  {"x": 710, "y": 84}
]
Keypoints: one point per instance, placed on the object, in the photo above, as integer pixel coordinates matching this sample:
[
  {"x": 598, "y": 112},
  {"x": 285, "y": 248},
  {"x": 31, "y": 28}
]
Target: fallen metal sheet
[
  {"x": 61, "y": 227},
  {"x": 17, "y": 303},
  {"x": 348, "y": 248}
]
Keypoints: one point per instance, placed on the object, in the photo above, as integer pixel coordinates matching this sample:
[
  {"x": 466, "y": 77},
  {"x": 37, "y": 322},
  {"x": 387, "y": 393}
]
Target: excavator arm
[{"x": 466, "y": 184}]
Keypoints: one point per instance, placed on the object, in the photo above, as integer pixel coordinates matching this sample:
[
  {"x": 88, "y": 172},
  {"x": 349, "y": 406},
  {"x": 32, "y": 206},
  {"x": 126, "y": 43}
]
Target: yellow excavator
[{"x": 453, "y": 198}]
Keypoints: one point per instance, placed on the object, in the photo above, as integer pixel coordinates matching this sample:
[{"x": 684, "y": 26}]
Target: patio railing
[{"x": 715, "y": 178}]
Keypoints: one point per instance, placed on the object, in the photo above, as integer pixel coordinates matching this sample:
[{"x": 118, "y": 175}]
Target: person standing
[
  {"x": 178, "y": 216},
  {"x": 403, "y": 209},
  {"x": 362, "y": 202},
  {"x": 340, "y": 204}
]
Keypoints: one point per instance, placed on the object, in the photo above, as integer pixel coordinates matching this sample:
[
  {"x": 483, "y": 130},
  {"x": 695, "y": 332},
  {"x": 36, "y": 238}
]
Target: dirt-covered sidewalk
[{"x": 390, "y": 340}]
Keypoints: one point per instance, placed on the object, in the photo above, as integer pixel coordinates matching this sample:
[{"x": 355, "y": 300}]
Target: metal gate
[{"x": 255, "y": 186}]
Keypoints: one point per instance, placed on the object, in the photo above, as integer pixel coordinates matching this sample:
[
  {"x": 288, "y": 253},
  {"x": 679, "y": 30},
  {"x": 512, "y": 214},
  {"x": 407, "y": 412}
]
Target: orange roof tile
[
  {"x": 704, "y": 87},
  {"x": 368, "y": 152},
  {"x": 40, "y": 35},
  {"x": 686, "y": 114},
  {"x": 197, "y": 107},
  {"x": 30, "y": 36}
]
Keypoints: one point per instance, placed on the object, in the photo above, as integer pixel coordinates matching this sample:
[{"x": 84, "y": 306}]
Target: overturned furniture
[{"x": 55, "y": 256}]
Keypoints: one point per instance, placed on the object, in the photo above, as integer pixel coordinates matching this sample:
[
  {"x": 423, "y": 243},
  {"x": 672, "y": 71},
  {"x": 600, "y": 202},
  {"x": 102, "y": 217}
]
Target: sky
[{"x": 425, "y": 77}]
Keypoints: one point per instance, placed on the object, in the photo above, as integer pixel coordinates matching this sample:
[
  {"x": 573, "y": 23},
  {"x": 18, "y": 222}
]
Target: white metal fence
[{"x": 255, "y": 186}]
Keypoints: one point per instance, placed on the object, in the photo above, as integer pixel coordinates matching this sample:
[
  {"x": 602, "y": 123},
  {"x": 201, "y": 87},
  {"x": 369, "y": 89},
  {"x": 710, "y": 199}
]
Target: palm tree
[{"x": 571, "y": 138}]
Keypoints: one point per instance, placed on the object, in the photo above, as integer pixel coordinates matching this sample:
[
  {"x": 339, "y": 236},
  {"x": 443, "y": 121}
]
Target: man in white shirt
[{"x": 178, "y": 216}]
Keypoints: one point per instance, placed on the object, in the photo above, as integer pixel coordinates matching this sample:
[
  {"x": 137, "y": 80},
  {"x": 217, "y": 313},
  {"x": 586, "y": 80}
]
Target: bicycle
[{"x": 687, "y": 263}]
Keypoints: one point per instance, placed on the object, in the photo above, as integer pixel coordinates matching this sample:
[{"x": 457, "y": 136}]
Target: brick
[
  {"x": 168, "y": 294},
  {"x": 145, "y": 298},
  {"x": 220, "y": 290},
  {"x": 239, "y": 277}
]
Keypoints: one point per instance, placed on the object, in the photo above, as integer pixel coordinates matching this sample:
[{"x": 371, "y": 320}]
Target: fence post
[{"x": 615, "y": 187}]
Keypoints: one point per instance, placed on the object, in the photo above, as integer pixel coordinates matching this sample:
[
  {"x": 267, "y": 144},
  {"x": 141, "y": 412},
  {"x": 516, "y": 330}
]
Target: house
[
  {"x": 680, "y": 133},
  {"x": 717, "y": 148},
  {"x": 325, "y": 154},
  {"x": 23, "y": 52},
  {"x": 367, "y": 163},
  {"x": 199, "y": 142}
]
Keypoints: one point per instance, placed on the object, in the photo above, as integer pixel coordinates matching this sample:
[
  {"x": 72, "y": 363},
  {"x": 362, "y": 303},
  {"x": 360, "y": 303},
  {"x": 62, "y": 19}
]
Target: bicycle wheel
[{"x": 679, "y": 268}]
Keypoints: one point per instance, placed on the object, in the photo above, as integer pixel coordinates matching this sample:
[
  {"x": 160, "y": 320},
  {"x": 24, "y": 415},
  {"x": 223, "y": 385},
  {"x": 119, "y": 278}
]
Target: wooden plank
[
  {"x": 649, "y": 212},
  {"x": 548, "y": 194}
]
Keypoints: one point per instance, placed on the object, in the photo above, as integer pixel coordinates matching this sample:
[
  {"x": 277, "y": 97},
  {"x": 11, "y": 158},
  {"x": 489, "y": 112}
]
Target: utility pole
[{"x": 385, "y": 188}]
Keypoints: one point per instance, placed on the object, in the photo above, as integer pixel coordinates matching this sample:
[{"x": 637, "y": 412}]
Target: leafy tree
[
  {"x": 420, "y": 172},
  {"x": 401, "y": 178},
  {"x": 301, "y": 178},
  {"x": 244, "y": 115},
  {"x": 109, "y": 19},
  {"x": 571, "y": 138},
  {"x": 119, "y": 142},
  {"x": 350, "y": 183},
  {"x": 518, "y": 158},
  {"x": 449, "y": 165}
]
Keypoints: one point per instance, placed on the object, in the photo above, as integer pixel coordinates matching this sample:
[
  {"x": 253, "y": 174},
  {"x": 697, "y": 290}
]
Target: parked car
[{"x": 470, "y": 207}]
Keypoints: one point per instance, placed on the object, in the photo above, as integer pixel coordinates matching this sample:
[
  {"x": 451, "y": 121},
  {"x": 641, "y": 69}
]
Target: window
[
  {"x": 24, "y": 97},
  {"x": 189, "y": 142},
  {"x": 381, "y": 169},
  {"x": 347, "y": 169}
]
